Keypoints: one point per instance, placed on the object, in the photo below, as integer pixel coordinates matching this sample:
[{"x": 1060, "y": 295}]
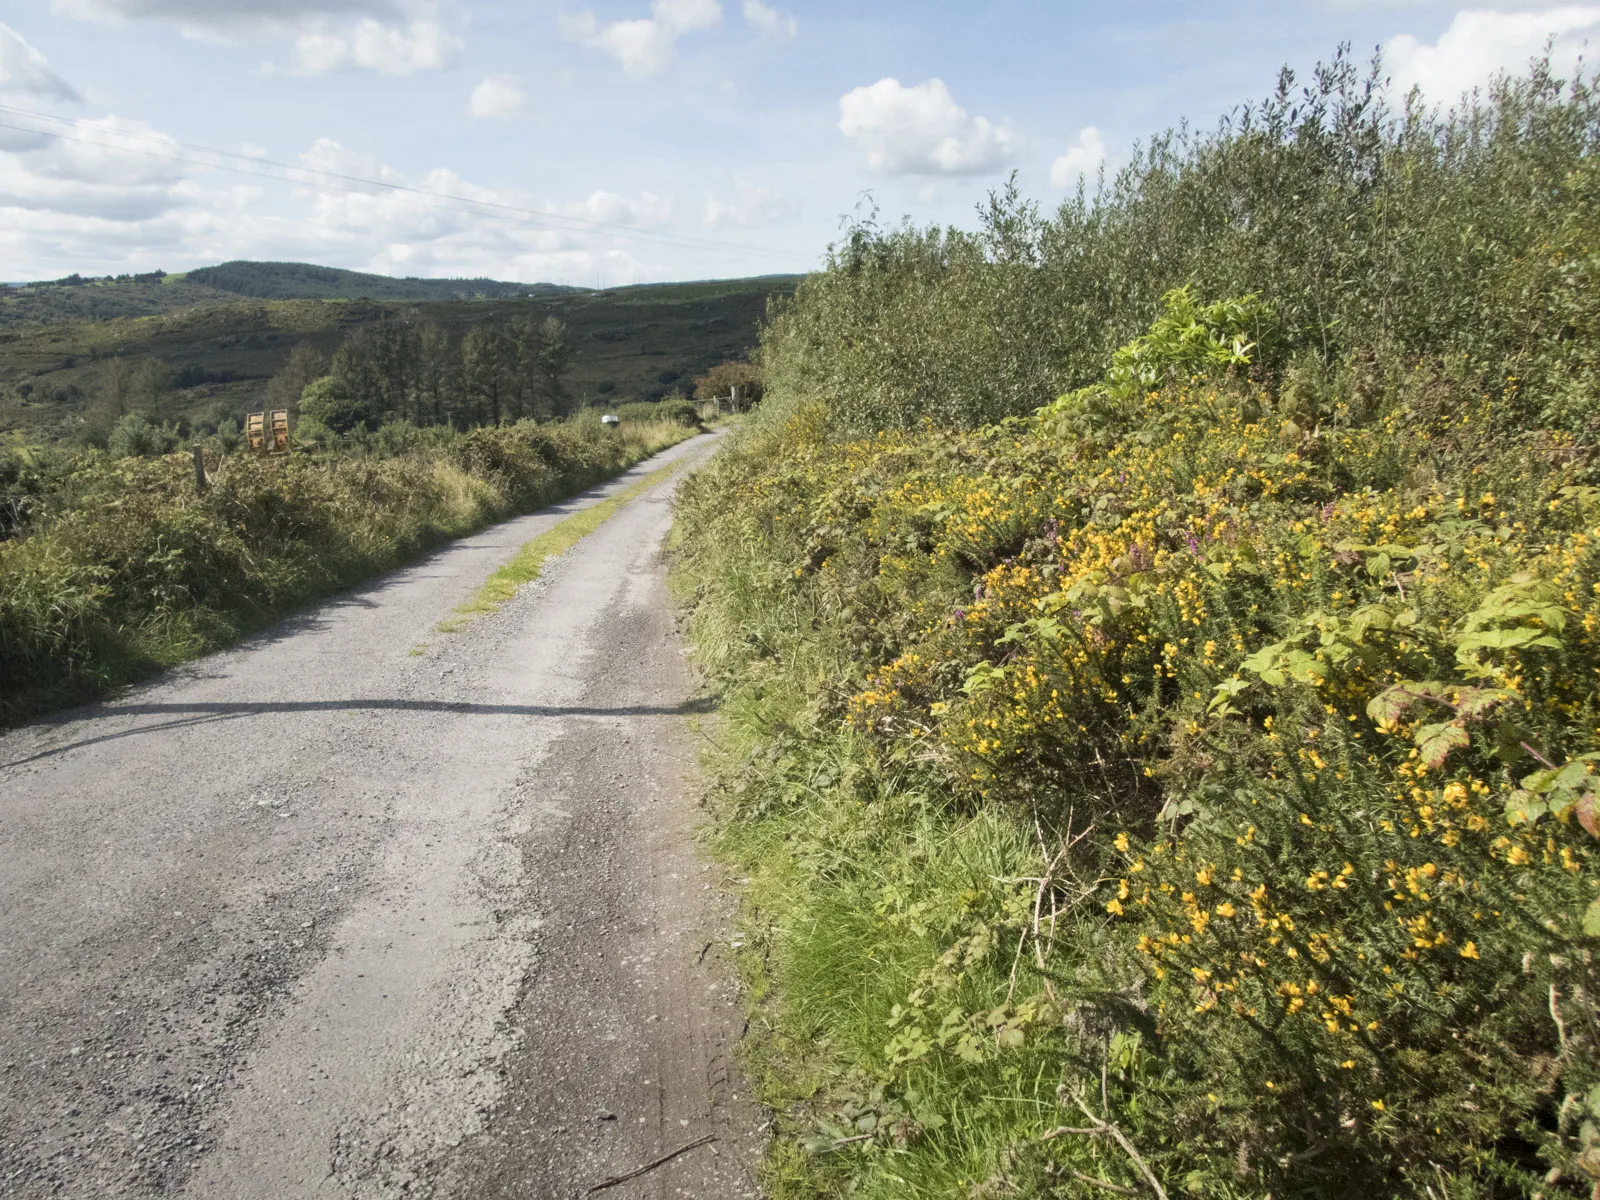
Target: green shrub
[
  {"x": 1160, "y": 728},
  {"x": 23, "y": 480},
  {"x": 678, "y": 409},
  {"x": 1360, "y": 227},
  {"x": 134, "y": 436},
  {"x": 229, "y": 436},
  {"x": 724, "y": 377},
  {"x": 331, "y": 405},
  {"x": 120, "y": 568}
]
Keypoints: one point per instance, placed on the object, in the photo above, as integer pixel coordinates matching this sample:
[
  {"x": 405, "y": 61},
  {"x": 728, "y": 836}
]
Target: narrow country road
[{"x": 361, "y": 909}]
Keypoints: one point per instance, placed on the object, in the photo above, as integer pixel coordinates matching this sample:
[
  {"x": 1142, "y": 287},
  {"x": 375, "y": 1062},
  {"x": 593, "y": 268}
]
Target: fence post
[{"x": 200, "y": 484}]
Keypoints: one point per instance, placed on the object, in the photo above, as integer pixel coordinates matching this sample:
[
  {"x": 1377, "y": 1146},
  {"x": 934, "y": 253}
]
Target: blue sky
[{"x": 623, "y": 141}]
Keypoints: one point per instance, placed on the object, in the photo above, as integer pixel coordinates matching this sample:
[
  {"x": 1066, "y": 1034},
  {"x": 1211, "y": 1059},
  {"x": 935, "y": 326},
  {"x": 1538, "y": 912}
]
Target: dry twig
[
  {"x": 1103, "y": 1183},
  {"x": 1107, "y": 1129},
  {"x": 1095, "y": 1131},
  {"x": 1044, "y": 881},
  {"x": 860, "y": 1137},
  {"x": 651, "y": 1166}
]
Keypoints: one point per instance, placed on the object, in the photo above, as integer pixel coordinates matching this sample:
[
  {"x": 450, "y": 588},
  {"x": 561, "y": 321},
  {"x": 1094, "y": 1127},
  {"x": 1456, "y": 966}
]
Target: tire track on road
[{"x": 287, "y": 922}]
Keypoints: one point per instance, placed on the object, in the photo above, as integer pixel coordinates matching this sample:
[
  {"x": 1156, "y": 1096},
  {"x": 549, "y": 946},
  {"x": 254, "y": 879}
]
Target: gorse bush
[
  {"x": 134, "y": 436},
  {"x": 1305, "y": 728},
  {"x": 119, "y": 568},
  {"x": 1187, "y": 785}
]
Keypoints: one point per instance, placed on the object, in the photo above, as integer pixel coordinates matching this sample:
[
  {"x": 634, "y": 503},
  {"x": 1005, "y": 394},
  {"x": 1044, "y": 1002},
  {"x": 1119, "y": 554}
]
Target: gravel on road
[{"x": 362, "y": 909}]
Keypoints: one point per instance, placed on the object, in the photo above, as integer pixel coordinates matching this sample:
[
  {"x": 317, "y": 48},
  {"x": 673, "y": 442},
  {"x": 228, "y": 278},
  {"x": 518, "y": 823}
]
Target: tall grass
[{"x": 122, "y": 568}]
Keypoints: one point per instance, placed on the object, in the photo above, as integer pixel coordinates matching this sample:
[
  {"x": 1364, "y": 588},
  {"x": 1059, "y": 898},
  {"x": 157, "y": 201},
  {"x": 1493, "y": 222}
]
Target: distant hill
[
  {"x": 156, "y": 294},
  {"x": 218, "y": 348},
  {"x": 303, "y": 281}
]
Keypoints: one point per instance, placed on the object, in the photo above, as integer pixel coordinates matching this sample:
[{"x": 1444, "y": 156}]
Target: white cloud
[
  {"x": 93, "y": 173},
  {"x": 769, "y": 22},
  {"x": 921, "y": 130},
  {"x": 497, "y": 98},
  {"x": 328, "y": 156},
  {"x": 751, "y": 206},
  {"x": 1481, "y": 43},
  {"x": 124, "y": 205},
  {"x": 25, "y": 74},
  {"x": 421, "y": 45},
  {"x": 1081, "y": 160},
  {"x": 394, "y": 37},
  {"x": 231, "y": 18},
  {"x": 397, "y": 233},
  {"x": 646, "y": 46},
  {"x": 608, "y": 208}
]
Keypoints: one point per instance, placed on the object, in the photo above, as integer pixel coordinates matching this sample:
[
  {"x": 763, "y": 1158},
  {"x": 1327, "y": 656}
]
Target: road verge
[{"x": 134, "y": 571}]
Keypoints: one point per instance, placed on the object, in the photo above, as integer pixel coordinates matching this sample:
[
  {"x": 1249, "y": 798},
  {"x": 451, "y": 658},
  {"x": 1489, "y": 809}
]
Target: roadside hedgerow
[
  {"x": 1158, "y": 651},
  {"x": 1295, "y": 729},
  {"x": 116, "y": 567}
]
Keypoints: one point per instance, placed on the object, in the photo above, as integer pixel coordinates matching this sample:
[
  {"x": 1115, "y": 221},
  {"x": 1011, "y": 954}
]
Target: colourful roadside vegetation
[
  {"x": 117, "y": 567},
  {"x": 1184, "y": 787}
]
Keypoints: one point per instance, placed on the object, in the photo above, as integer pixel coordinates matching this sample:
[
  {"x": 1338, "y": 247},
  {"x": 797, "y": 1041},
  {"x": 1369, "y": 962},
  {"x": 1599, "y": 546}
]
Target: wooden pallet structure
[{"x": 267, "y": 432}]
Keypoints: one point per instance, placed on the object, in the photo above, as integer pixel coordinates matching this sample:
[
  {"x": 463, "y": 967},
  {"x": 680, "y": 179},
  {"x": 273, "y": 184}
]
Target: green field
[{"x": 219, "y": 348}]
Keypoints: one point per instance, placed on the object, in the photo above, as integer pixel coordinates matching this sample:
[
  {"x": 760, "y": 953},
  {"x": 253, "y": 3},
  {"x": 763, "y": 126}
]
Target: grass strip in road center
[{"x": 526, "y": 564}]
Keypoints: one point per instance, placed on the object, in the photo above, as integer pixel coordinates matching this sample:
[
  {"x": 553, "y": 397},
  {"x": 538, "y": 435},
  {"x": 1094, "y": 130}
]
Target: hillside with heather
[{"x": 205, "y": 353}]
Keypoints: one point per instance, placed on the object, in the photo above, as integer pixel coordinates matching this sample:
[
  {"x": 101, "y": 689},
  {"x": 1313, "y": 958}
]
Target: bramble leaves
[
  {"x": 1558, "y": 791},
  {"x": 1434, "y": 742},
  {"x": 1379, "y": 561},
  {"x": 1522, "y": 614},
  {"x": 981, "y": 676}
]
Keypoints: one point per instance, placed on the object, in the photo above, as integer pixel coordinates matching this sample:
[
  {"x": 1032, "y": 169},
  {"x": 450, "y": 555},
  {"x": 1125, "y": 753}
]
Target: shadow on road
[{"x": 205, "y": 713}]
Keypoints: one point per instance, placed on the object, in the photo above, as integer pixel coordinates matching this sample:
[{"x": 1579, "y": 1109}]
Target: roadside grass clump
[
  {"x": 677, "y": 408},
  {"x": 1177, "y": 777},
  {"x": 117, "y": 568},
  {"x": 526, "y": 565}
]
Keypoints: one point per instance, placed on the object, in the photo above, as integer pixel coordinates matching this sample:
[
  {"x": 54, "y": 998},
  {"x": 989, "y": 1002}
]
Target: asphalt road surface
[{"x": 360, "y": 909}]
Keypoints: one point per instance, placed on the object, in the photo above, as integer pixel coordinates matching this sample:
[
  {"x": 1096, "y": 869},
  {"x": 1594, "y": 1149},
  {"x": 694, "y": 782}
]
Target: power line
[{"x": 244, "y": 164}]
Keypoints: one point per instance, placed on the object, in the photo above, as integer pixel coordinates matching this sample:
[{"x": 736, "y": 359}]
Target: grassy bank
[
  {"x": 528, "y": 563},
  {"x": 122, "y": 569},
  {"x": 1183, "y": 786}
]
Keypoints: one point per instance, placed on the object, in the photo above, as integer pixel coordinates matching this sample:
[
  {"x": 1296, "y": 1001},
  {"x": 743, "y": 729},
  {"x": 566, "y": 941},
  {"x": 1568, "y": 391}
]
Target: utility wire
[{"x": 244, "y": 164}]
